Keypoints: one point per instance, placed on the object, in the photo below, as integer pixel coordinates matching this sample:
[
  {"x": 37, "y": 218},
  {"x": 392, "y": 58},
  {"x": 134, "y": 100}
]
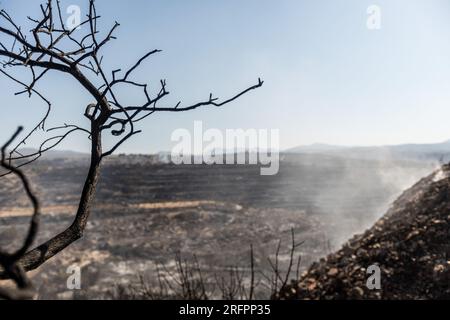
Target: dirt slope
[{"x": 410, "y": 244}]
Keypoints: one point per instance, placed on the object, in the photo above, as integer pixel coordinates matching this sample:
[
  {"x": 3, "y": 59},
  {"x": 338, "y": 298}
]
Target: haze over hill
[
  {"x": 432, "y": 151},
  {"x": 55, "y": 154}
]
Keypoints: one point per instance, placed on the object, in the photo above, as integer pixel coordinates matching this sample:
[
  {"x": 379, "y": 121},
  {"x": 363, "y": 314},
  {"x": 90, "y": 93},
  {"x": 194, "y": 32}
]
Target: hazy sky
[{"x": 328, "y": 78}]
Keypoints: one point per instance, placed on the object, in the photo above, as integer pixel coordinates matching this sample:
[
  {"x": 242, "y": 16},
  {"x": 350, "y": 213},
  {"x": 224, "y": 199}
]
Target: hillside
[
  {"x": 410, "y": 244},
  {"x": 146, "y": 212}
]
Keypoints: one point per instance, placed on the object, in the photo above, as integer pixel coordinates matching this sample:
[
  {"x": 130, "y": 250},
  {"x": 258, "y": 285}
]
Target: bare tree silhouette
[{"x": 51, "y": 46}]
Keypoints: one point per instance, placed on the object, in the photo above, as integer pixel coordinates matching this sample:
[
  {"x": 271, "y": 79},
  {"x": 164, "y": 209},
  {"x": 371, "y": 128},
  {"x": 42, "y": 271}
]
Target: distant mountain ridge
[
  {"x": 431, "y": 151},
  {"x": 435, "y": 151},
  {"x": 55, "y": 154}
]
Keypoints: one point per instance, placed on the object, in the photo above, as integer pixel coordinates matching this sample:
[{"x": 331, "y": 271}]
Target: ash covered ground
[{"x": 145, "y": 213}]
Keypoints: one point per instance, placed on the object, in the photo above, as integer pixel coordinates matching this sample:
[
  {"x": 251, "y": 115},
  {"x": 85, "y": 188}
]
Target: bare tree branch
[{"x": 52, "y": 48}]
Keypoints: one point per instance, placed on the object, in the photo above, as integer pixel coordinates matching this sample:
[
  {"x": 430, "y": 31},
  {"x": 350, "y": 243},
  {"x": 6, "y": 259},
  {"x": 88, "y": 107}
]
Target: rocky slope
[{"x": 410, "y": 245}]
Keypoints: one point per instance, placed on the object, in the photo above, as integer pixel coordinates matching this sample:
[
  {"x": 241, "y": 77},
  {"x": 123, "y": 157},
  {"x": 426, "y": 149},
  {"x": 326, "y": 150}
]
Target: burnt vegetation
[{"x": 190, "y": 280}]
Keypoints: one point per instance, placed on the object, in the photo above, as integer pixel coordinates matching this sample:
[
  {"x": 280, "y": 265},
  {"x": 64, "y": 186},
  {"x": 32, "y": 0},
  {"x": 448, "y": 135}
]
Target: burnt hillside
[{"x": 410, "y": 244}]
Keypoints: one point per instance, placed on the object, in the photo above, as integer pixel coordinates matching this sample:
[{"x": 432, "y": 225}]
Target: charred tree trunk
[{"x": 36, "y": 257}]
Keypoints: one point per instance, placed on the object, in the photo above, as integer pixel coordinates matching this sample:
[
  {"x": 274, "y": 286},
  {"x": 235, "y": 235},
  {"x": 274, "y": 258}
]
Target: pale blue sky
[{"x": 327, "y": 77}]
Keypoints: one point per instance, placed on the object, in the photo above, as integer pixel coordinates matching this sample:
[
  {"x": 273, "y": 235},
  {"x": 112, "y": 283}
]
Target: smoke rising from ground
[{"x": 361, "y": 192}]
